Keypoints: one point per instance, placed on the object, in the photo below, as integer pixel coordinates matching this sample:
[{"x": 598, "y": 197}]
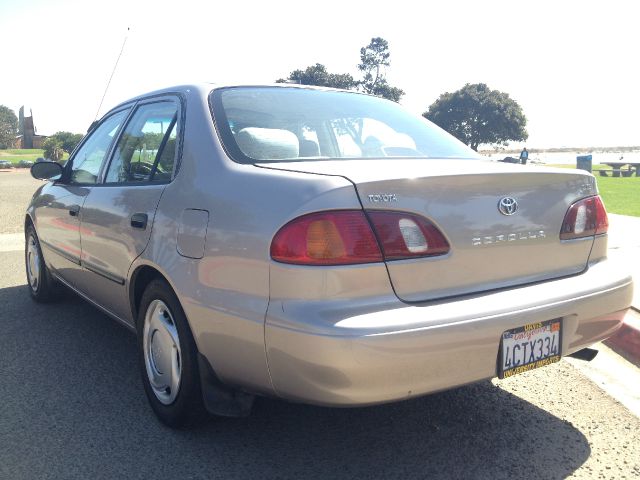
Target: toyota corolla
[{"x": 320, "y": 246}]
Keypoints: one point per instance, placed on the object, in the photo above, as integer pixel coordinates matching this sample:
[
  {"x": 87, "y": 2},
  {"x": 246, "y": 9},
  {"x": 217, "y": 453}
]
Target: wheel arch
[
  {"x": 28, "y": 222},
  {"x": 218, "y": 398},
  {"x": 142, "y": 276}
]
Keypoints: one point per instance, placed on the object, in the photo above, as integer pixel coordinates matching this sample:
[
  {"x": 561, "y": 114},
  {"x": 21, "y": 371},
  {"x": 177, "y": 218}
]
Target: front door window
[{"x": 89, "y": 158}]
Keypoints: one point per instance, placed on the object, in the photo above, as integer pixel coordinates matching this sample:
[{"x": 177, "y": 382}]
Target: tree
[
  {"x": 476, "y": 115},
  {"x": 8, "y": 127},
  {"x": 374, "y": 59},
  {"x": 67, "y": 140},
  {"x": 318, "y": 75},
  {"x": 53, "y": 149}
]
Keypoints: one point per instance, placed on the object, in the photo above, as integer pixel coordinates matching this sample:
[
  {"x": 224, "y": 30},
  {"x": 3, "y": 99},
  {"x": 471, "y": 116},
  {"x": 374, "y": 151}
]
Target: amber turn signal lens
[
  {"x": 340, "y": 237},
  {"x": 324, "y": 240}
]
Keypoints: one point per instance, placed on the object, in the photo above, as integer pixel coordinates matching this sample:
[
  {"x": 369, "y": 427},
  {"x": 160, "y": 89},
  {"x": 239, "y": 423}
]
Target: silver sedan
[{"x": 319, "y": 246}]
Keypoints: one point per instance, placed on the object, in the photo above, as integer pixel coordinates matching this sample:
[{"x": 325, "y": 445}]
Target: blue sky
[{"x": 571, "y": 65}]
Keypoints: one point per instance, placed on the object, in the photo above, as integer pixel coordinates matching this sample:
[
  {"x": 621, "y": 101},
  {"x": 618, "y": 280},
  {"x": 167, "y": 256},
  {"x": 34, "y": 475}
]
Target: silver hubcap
[
  {"x": 162, "y": 356},
  {"x": 33, "y": 263}
]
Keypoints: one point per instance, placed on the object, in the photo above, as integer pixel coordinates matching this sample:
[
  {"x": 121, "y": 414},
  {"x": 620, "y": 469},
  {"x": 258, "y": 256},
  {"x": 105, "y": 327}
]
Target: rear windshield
[{"x": 283, "y": 124}]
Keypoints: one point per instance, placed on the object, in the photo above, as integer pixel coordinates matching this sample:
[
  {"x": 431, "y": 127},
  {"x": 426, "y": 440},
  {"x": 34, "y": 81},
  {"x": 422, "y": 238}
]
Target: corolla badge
[{"x": 507, "y": 205}]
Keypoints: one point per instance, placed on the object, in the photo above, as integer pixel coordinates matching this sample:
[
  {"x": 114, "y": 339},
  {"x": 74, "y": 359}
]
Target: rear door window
[{"x": 146, "y": 149}]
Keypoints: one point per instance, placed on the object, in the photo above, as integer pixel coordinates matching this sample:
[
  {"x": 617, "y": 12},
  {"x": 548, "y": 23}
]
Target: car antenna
[{"x": 114, "y": 71}]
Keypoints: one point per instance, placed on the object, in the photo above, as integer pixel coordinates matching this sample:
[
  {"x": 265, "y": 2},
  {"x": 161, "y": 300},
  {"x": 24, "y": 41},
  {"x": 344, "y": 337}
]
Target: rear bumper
[{"x": 322, "y": 355}]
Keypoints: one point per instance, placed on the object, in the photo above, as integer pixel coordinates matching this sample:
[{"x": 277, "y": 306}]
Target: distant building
[{"x": 27, "y": 136}]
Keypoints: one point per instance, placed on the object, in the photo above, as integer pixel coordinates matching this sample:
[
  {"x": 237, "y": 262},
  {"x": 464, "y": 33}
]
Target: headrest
[
  {"x": 309, "y": 148},
  {"x": 267, "y": 143}
]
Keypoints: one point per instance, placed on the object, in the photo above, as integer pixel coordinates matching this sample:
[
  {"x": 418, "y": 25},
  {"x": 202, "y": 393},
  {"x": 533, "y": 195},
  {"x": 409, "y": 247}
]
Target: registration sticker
[{"x": 531, "y": 346}]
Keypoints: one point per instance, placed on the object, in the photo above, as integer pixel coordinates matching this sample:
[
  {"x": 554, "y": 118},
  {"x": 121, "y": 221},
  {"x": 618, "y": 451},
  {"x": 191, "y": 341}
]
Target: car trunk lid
[{"x": 491, "y": 247}]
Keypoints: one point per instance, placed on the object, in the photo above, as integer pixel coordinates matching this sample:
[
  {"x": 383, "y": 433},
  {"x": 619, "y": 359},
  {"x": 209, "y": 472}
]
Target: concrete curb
[{"x": 626, "y": 341}]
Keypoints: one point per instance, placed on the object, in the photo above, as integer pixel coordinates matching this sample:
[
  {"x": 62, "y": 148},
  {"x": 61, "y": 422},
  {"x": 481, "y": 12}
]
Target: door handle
[
  {"x": 139, "y": 220},
  {"x": 74, "y": 210}
]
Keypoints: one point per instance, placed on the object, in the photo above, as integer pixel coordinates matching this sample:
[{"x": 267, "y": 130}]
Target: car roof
[{"x": 205, "y": 88}]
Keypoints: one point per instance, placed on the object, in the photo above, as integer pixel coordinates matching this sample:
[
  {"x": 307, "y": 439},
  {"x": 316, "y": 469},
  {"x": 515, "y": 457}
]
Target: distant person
[{"x": 524, "y": 156}]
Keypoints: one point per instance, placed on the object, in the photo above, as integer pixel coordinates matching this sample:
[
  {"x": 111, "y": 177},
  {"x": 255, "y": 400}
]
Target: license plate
[{"x": 531, "y": 346}]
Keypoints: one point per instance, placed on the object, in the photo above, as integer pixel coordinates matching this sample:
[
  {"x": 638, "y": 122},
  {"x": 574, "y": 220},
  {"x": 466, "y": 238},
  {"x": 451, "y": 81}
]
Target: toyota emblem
[{"x": 507, "y": 206}]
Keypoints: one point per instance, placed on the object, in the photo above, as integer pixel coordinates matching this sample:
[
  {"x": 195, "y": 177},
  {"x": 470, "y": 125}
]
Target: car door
[
  {"x": 58, "y": 216},
  {"x": 118, "y": 213}
]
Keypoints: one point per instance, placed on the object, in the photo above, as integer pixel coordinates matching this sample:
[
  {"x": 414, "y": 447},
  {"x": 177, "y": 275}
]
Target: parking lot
[{"x": 73, "y": 407}]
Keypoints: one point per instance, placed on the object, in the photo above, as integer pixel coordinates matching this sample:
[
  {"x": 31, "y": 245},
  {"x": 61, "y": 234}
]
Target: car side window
[
  {"x": 146, "y": 149},
  {"x": 88, "y": 159}
]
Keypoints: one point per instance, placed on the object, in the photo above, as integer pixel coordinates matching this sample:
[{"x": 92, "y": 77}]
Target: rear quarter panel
[{"x": 225, "y": 294}]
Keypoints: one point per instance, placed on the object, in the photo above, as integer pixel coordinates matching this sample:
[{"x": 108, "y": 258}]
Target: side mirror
[{"x": 46, "y": 170}]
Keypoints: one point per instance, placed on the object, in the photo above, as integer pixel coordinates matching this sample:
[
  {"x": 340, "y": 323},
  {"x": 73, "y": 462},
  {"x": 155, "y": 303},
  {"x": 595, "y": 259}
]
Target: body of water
[{"x": 569, "y": 158}]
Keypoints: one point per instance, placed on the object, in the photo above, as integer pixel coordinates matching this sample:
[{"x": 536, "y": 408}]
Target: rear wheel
[
  {"x": 168, "y": 358},
  {"x": 42, "y": 286}
]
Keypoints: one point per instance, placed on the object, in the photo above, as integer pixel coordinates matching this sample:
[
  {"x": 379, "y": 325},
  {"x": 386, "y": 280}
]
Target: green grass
[
  {"x": 14, "y": 155},
  {"x": 621, "y": 195},
  {"x": 17, "y": 158},
  {"x": 21, "y": 151}
]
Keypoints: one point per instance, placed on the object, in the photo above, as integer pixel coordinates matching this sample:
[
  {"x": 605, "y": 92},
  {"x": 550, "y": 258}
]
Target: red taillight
[
  {"x": 585, "y": 218},
  {"x": 404, "y": 235},
  {"x": 340, "y": 237},
  {"x": 345, "y": 237}
]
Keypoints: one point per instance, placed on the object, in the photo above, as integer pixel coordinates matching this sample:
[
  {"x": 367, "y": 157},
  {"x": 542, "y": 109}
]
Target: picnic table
[{"x": 617, "y": 170}]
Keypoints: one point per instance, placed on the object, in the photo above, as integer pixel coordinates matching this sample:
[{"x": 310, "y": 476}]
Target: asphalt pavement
[
  {"x": 16, "y": 189},
  {"x": 73, "y": 407}
]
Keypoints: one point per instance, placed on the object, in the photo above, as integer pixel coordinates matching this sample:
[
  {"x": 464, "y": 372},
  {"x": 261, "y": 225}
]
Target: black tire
[
  {"x": 43, "y": 288},
  {"x": 184, "y": 406}
]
